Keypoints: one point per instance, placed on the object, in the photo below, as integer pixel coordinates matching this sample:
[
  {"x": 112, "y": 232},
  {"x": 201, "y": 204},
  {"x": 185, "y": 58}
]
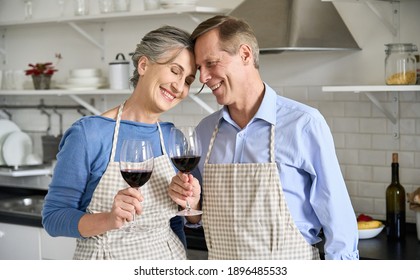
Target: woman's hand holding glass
[{"x": 126, "y": 202}]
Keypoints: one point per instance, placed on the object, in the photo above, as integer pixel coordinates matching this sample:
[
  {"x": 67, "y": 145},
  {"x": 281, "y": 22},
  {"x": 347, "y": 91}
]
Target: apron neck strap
[
  {"x": 162, "y": 143},
  {"x": 116, "y": 129}
]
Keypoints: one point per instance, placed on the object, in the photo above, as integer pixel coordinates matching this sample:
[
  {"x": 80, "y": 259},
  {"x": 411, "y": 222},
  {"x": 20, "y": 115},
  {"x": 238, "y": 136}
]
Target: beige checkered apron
[
  {"x": 157, "y": 240},
  {"x": 245, "y": 215}
]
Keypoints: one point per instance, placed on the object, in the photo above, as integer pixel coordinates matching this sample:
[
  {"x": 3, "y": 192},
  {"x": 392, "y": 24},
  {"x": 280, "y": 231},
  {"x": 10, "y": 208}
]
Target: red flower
[{"x": 41, "y": 68}]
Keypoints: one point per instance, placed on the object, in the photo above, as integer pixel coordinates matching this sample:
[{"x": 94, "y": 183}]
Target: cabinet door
[
  {"x": 57, "y": 248},
  {"x": 19, "y": 242}
]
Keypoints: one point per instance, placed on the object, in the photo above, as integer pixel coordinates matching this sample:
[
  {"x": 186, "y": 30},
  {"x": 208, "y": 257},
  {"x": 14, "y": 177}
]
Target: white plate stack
[
  {"x": 16, "y": 146},
  {"x": 169, "y": 4},
  {"x": 85, "y": 79}
]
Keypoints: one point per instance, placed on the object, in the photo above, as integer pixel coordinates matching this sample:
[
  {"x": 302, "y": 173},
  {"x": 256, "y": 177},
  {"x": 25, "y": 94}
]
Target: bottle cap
[{"x": 395, "y": 158}]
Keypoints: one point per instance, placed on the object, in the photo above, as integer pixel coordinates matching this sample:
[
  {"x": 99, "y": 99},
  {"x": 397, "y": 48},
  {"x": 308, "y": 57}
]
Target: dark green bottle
[{"x": 395, "y": 204}]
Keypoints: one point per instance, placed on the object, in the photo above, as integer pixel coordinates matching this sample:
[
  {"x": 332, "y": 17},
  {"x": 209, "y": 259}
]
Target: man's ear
[{"x": 245, "y": 52}]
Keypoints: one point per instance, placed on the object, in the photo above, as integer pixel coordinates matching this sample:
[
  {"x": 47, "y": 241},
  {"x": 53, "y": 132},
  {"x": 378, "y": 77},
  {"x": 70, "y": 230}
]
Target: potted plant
[{"x": 41, "y": 73}]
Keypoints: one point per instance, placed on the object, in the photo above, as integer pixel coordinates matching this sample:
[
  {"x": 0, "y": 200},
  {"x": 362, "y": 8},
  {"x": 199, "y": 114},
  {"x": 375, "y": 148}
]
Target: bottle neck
[{"x": 395, "y": 175}]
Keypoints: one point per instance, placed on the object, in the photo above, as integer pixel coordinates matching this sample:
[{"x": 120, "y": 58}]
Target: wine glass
[
  {"x": 28, "y": 9},
  {"x": 185, "y": 153},
  {"x": 136, "y": 167}
]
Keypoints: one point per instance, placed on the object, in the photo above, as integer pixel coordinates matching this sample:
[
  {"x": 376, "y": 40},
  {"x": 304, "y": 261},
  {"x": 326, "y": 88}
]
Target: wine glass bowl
[
  {"x": 185, "y": 153},
  {"x": 136, "y": 167}
]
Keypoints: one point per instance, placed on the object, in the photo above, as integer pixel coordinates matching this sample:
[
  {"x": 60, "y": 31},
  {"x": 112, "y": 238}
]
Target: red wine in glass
[
  {"x": 185, "y": 153},
  {"x": 136, "y": 167},
  {"x": 185, "y": 163},
  {"x": 136, "y": 178}
]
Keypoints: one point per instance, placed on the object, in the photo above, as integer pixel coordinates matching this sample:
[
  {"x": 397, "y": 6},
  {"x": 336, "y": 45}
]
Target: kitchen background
[{"x": 364, "y": 136}]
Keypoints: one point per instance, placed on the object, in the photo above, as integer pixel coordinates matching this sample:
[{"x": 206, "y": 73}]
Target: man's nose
[{"x": 204, "y": 76}]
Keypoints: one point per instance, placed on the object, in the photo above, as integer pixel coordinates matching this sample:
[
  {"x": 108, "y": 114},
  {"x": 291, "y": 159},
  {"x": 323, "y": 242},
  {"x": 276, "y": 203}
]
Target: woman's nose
[{"x": 177, "y": 86}]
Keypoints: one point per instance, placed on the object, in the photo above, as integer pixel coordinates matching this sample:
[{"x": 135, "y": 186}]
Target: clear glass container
[{"x": 400, "y": 64}]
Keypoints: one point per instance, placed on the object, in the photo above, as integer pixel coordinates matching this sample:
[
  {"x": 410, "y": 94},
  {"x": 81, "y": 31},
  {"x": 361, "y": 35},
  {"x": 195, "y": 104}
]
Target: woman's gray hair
[{"x": 156, "y": 45}]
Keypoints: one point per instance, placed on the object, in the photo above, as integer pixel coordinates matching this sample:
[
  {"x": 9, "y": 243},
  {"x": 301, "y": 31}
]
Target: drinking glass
[
  {"x": 136, "y": 166},
  {"x": 185, "y": 153}
]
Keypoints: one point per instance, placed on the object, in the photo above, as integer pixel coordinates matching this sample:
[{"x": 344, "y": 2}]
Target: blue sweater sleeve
[{"x": 64, "y": 203}]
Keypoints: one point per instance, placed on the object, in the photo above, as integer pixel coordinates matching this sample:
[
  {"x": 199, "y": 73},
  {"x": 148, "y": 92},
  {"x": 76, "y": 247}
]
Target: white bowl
[
  {"x": 370, "y": 233},
  {"x": 85, "y": 72},
  {"x": 87, "y": 81}
]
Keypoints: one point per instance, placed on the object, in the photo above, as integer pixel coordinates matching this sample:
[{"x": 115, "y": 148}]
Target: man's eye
[{"x": 211, "y": 63}]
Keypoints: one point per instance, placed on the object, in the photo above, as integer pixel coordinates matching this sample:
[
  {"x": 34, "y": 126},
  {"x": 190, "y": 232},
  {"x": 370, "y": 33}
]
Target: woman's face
[{"x": 165, "y": 85}]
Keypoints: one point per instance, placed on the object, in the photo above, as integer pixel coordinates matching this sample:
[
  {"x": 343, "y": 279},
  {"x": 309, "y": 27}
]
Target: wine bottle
[{"x": 395, "y": 204}]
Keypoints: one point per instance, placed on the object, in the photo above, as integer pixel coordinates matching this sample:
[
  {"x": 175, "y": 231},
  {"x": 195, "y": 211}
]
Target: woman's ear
[{"x": 142, "y": 65}]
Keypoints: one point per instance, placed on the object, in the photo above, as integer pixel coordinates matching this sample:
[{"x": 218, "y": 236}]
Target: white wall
[{"x": 362, "y": 134}]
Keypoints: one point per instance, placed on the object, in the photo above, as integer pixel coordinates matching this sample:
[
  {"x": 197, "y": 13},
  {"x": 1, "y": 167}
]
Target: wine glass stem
[{"x": 187, "y": 207}]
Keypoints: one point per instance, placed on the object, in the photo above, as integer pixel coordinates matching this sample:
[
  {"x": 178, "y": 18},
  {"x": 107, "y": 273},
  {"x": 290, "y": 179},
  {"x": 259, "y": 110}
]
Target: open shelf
[
  {"x": 117, "y": 16},
  {"x": 368, "y": 90}
]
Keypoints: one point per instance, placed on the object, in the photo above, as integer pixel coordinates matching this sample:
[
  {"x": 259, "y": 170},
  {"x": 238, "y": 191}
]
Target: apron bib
[
  {"x": 245, "y": 215},
  {"x": 157, "y": 240}
]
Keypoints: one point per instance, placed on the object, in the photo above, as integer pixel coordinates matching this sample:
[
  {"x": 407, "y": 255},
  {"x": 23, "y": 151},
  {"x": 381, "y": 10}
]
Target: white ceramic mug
[{"x": 19, "y": 79}]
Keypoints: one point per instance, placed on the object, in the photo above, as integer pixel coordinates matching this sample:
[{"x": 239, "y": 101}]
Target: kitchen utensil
[
  {"x": 50, "y": 143},
  {"x": 118, "y": 73},
  {"x": 16, "y": 147}
]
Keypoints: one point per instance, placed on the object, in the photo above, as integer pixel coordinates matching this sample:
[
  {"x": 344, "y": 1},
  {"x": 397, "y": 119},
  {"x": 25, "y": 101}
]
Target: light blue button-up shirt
[{"x": 314, "y": 187}]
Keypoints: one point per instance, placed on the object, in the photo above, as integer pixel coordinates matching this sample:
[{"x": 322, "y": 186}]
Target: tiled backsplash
[{"x": 363, "y": 136}]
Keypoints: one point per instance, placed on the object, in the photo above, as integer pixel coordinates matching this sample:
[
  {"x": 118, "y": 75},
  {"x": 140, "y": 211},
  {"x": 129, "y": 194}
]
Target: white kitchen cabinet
[
  {"x": 56, "y": 248},
  {"x": 19, "y": 242}
]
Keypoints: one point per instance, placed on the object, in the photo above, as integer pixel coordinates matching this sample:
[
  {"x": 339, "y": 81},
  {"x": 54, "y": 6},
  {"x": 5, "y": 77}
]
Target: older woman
[{"x": 86, "y": 201}]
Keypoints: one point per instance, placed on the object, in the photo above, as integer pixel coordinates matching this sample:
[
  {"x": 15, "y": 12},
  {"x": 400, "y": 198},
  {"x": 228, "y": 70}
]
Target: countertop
[{"x": 377, "y": 248}]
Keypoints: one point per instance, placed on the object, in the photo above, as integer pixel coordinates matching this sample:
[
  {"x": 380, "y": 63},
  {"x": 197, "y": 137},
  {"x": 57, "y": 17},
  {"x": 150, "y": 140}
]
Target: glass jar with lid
[{"x": 400, "y": 64}]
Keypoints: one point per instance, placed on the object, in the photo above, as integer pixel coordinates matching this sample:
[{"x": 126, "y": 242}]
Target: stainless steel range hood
[{"x": 296, "y": 25}]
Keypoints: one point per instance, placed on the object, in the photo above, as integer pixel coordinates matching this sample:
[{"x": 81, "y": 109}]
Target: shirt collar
[{"x": 266, "y": 112}]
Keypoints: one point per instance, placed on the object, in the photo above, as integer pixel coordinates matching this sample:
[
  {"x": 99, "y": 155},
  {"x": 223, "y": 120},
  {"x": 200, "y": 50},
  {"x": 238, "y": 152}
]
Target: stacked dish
[
  {"x": 85, "y": 79},
  {"x": 169, "y": 4},
  {"x": 16, "y": 146}
]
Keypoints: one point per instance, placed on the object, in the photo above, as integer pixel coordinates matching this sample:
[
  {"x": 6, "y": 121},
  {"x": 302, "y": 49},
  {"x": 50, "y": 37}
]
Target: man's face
[{"x": 219, "y": 70}]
